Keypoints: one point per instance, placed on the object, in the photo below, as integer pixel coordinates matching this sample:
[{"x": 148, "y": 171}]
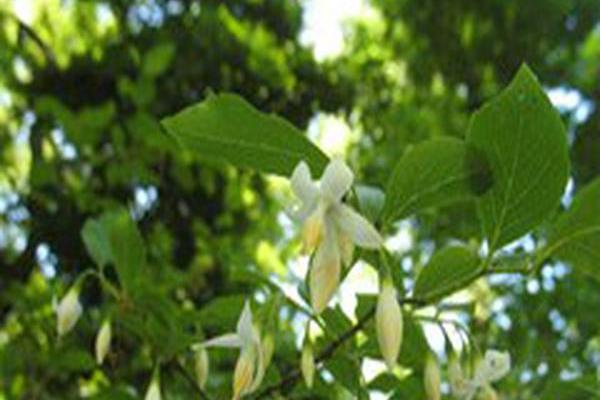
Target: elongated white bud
[
  {"x": 244, "y": 373},
  {"x": 201, "y": 366},
  {"x": 268, "y": 347},
  {"x": 68, "y": 311},
  {"x": 153, "y": 392},
  {"x": 432, "y": 378},
  {"x": 103, "y": 341},
  {"x": 307, "y": 364},
  {"x": 388, "y": 323}
]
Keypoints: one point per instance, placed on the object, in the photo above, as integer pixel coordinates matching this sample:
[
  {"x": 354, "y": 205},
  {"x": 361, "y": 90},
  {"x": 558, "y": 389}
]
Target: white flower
[
  {"x": 432, "y": 378},
  {"x": 202, "y": 367},
  {"x": 307, "y": 364},
  {"x": 103, "y": 341},
  {"x": 494, "y": 366},
  {"x": 250, "y": 368},
  {"x": 329, "y": 226},
  {"x": 68, "y": 311},
  {"x": 153, "y": 392},
  {"x": 388, "y": 323}
]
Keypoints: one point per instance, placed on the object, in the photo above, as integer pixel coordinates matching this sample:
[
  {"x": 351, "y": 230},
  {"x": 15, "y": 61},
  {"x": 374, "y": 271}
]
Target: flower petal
[
  {"x": 336, "y": 180},
  {"x": 324, "y": 275},
  {"x": 245, "y": 330},
  {"x": 227, "y": 340},
  {"x": 360, "y": 230},
  {"x": 302, "y": 184}
]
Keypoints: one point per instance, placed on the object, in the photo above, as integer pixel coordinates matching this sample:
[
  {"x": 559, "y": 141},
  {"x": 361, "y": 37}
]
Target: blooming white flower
[
  {"x": 103, "y": 341},
  {"x": 432, "y": 378},
  {"x": 68, "y": 311},
  {"x": 494, "y": 366},
  {"x": 250, "y": 367},
  {"x": 388, "y": 323},
  {"x": 307, "y": 364},
  {"x": 329, "y": 226},
  {"x": 153, "y": 392},
  {"x": 202, "y": 367}
]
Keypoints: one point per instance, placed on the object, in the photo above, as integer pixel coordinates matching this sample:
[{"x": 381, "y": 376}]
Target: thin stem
[{"x": 190, "y": 379}]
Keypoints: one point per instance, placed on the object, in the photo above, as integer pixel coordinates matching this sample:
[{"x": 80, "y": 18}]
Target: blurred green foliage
[{"x": 83, "y": 87}]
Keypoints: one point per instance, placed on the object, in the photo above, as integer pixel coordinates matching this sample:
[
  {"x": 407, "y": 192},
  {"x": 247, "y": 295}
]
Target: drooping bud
[
  {"x": 307, "y": 364},
  {"x": 153, "y": 392},
  {"x": 103, "y": 341},
  {"x": 432, "y": 378},
  {"x": 268, "y": 347},
  {"x": 388, "y": 323},
  {"x": 68, "y": 311},
  {"x": 201, "y": 366},
  {"x": 244, "y": 373}
]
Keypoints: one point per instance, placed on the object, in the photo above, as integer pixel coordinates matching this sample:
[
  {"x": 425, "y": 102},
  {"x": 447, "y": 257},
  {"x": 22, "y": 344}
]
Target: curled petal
[
  {"x": 245, "y": 329},
  {"x": 324, "y": 275},
  {"x": 346, "y": 246},
  {"x": 336, "y": 180},
  {"x": 302, "y": 184},
  {"x": 389, "y": 324},
  {"x": 357, "y": 227},
  {"x": 227, "y": 340},
  {"x": 244, "y": 373},
  {"x": 260, "y": 366}
]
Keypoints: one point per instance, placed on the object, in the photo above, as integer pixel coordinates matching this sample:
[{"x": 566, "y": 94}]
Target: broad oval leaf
[
  {"x": 225, "y": 128},
  {"x": 434, "y": 173},
  {"x": 449, "y": 270},
  {"x": 96, "y": 242},
  {"x": 575, "y": 237},
  {"x": 525, "y": 143}
]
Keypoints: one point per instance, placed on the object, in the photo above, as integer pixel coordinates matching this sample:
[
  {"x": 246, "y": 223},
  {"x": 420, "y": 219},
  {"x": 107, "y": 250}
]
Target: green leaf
[
  {"x": 434, "y": 173},
  {"x": 449, "y": 269},
  {"x": 158, "y": 59},
  {"x": 127, "y": 247},
  {"x": 114, "y": 238},
  {"x": 225, "y": 128},
  {"x": 575, "y": 237},
  {"x": 370, "y": 200},
  {"x": 96, "y": 242},
  {"x": 525, "y": 143}
]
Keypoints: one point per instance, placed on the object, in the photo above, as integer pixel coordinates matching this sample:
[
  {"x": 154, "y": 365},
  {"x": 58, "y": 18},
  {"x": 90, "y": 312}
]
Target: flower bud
[
  {"x": 388, "y": 323},
  {"x": 432, "y": 378},
  {"x": 243, "y": 374},
  {"x": 268, "y": 347},
  {"x": 202, "y": 367},
  {"x": 103, "y": 341},
  {"x": 68, "y": 311},
  {"x": 153, "y": 392},
  {"x": 307, "y": 364}
]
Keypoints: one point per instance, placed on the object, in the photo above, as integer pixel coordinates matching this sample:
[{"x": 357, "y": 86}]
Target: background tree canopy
[{"x": 84, "y": 86}]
